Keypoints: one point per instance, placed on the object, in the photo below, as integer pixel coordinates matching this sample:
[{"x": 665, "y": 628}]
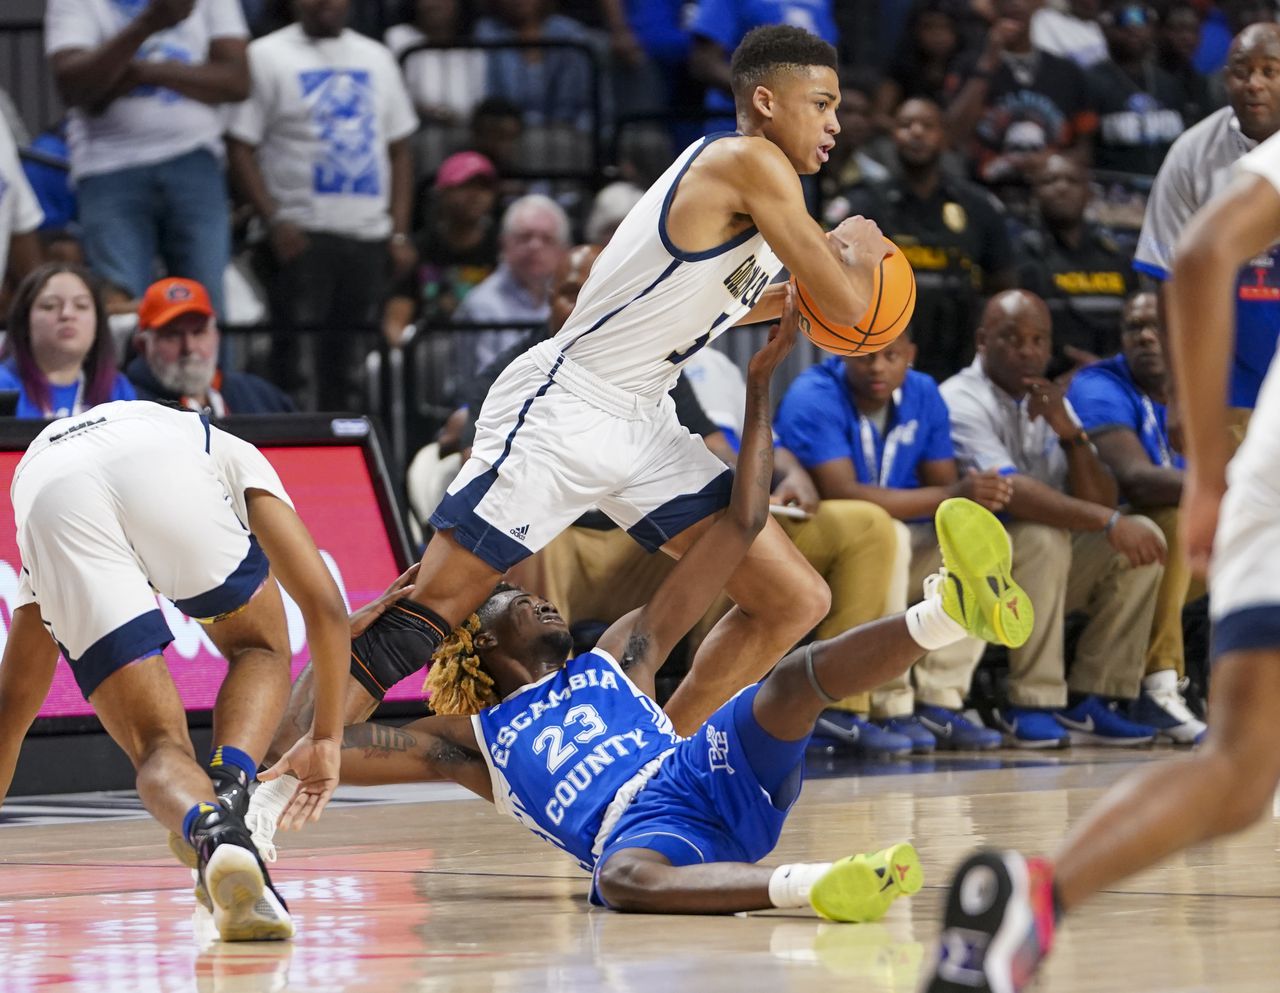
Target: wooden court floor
[{"x": 435, "y": 892}]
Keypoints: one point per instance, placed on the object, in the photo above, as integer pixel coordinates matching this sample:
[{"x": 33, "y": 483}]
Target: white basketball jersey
[{"x": 648, "y": 306}]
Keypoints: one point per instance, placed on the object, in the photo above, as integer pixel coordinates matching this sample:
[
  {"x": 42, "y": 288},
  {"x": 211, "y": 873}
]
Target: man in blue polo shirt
[
  {"x": 871, "y": 428},
  {"x": 1120, "y": 403}
]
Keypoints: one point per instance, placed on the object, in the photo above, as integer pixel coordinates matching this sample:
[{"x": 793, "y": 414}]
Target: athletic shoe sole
[
  {"x": 244, "y": 908},
  {"x": 987, "y": 919},
  {"x": 878, "y": 879},
  {"x": 1085, "y": 738},
  {"x": 976, "y": 550},
  {"x": 1044, "y": 744}
]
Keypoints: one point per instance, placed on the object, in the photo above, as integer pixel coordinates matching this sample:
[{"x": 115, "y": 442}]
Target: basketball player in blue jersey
[
  {"x": 1004, "y": 907},
  {"x": 583, "y": 421},
  {"x": 580, "y": 753}
]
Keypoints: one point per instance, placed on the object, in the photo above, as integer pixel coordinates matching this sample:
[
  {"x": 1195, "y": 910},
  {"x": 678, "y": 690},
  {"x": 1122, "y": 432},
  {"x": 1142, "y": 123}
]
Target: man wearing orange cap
[{"x": 177, "y": 342}]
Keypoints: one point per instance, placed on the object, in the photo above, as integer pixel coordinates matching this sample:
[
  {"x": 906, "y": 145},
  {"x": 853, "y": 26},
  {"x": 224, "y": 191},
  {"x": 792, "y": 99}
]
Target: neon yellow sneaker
[
  {"x": 862, "y": 887},
  {"x": 977, "y": 587}
]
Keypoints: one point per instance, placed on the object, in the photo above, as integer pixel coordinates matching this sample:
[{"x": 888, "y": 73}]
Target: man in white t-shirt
[
  {"x": 20, "y": 214},
  {"x": 321, "y": 150},
  {"x": 145, "y": 81}
]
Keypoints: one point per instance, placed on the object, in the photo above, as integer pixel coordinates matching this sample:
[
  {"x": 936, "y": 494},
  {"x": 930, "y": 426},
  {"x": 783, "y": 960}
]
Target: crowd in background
[{"x": 368, "y": 176}]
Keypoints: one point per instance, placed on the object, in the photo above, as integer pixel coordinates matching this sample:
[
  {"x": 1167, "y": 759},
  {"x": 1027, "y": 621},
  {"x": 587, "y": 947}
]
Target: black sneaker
[
  {"x": 246, "y": 906},
  {"x": 232, "y": 787},
  {"x": 998, "y": 928}
]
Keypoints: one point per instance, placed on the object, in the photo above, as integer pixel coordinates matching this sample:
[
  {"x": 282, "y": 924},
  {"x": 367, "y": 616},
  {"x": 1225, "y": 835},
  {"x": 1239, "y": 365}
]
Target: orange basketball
[{"x": 893, "y": 299}]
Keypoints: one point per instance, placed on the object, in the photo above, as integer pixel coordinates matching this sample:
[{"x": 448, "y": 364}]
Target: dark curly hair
[{"x": 767, "y": 50}]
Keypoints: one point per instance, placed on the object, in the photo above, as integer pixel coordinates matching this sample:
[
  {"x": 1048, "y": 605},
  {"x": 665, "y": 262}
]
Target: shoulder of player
[{"x": 744, "y": 160}]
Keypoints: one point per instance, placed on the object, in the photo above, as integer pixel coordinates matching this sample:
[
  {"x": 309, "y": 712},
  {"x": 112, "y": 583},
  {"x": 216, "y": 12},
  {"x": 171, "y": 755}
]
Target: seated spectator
[
  {"x": 870, "y": 428},
  {"x": 58, "y": 355},
  {"x": 320, "y": 150},
  {"x": 610, "y": 207},
  {"x": 1074, "y": 550},
  {"x": 51, "y": 180},
  {"x": 952, "y": 232},
  {"x": 1073, "y": 33},
  {"x": 457, "y": 247},
  {"x": 927, "y": 55},
  {"x": 718, "y": 26},
  {"x": 1177, "y": 37},
  {"x": 178, "y": 340},
  {"x": 20, "y": 217},
  {"x": 445, "y": 85},
  {"x": 1138, "y": 104},
  {"x": 535, "y": 236},
  {"x": 1075, "y": 267},
  {"x": 549, "y": 85},
  {"x": 1017, "y": 103},
  {"x": 145, "y": 83},
  {"x": 1121, "y": 403}
]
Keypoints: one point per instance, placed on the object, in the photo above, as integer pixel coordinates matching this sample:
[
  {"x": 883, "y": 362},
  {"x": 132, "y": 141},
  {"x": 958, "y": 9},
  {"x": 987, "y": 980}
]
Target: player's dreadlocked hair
[
  {"x": 456, "y": 683},
  {"x": 767, "y": 49}
]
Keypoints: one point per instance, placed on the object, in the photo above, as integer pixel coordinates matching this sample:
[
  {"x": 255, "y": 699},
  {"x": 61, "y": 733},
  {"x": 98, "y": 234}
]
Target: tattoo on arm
[
  {"x": 637, "y": 651},
  {"x": 377, "y": 741}
]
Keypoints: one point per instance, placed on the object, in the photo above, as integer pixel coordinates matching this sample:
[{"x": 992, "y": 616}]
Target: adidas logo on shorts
[{"x": 520, "y": 532}]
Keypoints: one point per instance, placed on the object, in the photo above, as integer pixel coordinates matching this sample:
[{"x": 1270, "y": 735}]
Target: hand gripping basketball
[{"x": 893, "y": 299}]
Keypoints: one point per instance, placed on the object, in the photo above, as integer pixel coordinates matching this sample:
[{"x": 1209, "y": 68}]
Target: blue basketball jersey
[{"x": 562, "y": 749}]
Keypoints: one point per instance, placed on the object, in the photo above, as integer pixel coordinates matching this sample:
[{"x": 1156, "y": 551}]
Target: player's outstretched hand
[
  {"x": 782, "y": 338},
  {"x": 315, "y": 763},
  {"x": 374, "y": 609},
  {"x": 860, "y": 242}
]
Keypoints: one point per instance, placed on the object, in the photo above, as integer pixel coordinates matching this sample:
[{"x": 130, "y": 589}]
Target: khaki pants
[
  {"x": 602, "y": 575},
  {"x": 1064, "y": 571},
  {"x": 1166, "y": 649}
]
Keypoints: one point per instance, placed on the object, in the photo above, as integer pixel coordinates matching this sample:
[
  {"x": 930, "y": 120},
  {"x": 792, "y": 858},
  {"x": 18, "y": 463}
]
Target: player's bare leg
[
  {"x": 142, "y": 711},
  {"x": 997, "y": 935},
  {"x": 1221, "y": 789},
  {"x": 255, "y": 643},
  {"x": 140, "y": 708},
  {"x": 779, "y": 598}
]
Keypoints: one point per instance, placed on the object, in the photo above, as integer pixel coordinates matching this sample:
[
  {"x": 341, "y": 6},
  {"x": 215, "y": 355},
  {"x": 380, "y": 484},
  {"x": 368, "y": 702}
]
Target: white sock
[
  {"x": 931, "y": 626},
  {"x": 789, "y": 885}
]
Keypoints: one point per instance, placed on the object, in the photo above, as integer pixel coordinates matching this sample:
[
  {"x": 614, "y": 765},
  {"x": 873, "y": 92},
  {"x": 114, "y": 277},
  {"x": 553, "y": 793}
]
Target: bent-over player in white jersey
[
  {"x": 578, "y": 751},
  {"x": 584, "y": 421},
  {"x": 1004, "y": 907},
  {"x": 132, "y": 499}
]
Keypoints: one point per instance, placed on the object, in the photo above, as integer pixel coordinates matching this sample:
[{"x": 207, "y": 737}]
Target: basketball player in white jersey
[
  {"x": 583, "y": 421},
  {"x": 578, "y": 751},
  {"x": 134, "y": 498},
  {"x": 1004, "y": 907}
]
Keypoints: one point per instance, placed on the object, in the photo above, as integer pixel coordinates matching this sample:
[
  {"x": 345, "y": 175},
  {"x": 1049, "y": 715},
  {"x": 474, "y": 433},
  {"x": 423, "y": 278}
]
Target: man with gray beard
[{"x": 177, "y": 342}]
